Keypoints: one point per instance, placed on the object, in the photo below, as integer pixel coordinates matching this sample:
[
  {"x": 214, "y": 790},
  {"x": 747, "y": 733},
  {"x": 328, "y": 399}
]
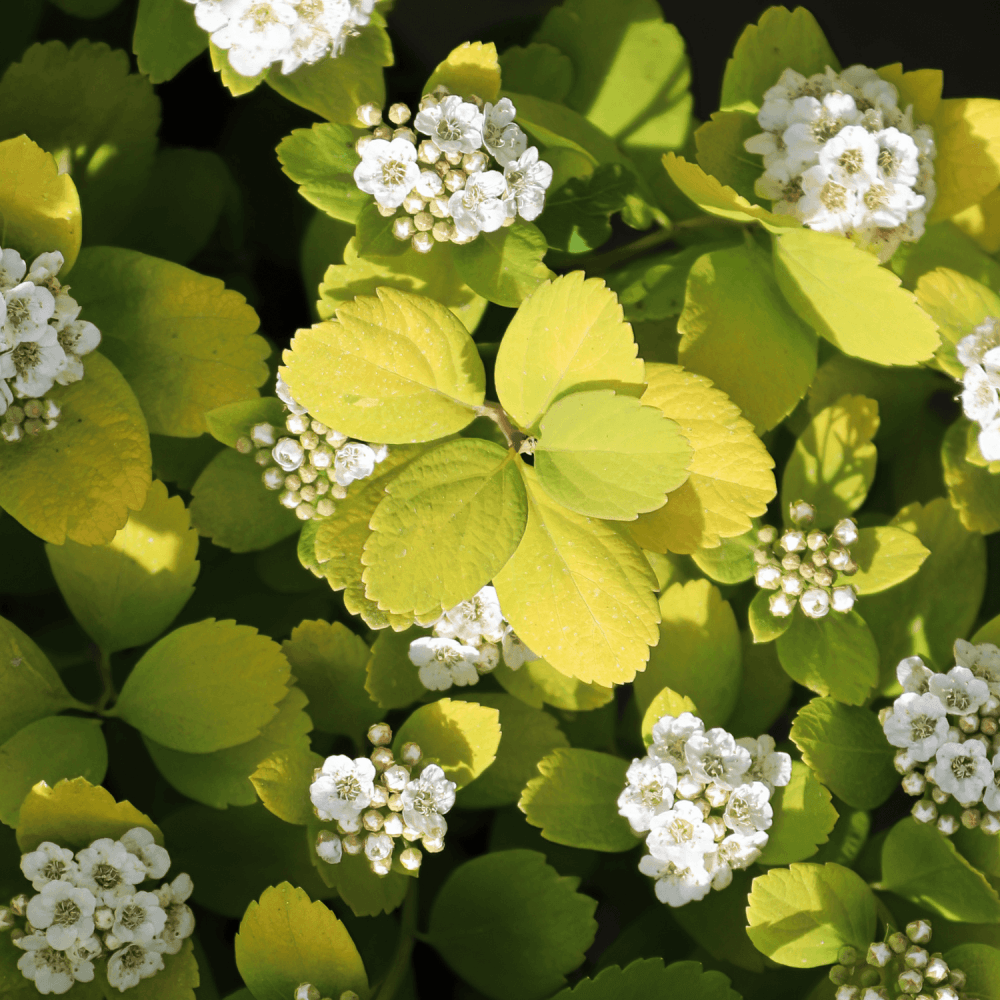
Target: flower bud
[
  {"x": 842, "y": 599},
  {"x": 351, "y": 825},
  {"x": 916, "y": 957},
  {"x": 325, "y": 508},
  {"x": 413, "y": 204},
  {"x": 380, "y": 797},
  {"x": 369, "y": 114},
  {"x": 898, "y": 942},
  {"x": 362, "y": 144},
  {"x": 768, "y": 577},
  {"x": 410, "y": 859},
  {"x": 910, "y": 981},
  {"x": 924, "y": 811},
  {"x": 424, "y": 221},
  {"x": 349, "y": 995},
  {"x": 306, "y": 991},
  {"x": 423, "y": 242},
  {"x": 879, "y": 954},
  {"x": 455, "y": 180},
  {"x": 801, "y": 512},
  {"x": 244, "y": 445},
  {"x": 443, "y": 230},
  {"x": 353, "y": 844},
  {"x": 104, "y": 918},
  {"x": 305, "y": 512},
  {"x": 380, "y": 734},
  {"x": 816, "y": 540},
  {"x": 380, "y": 866},
  {"x": 815, "y": 602},
  {"x": 399, "y": 114},
  {"x": 936, "y": 970},
  {"x": 403, "y": 228},
  {"x": 372, "y": 820},
  {"x": 914, "y": 783},
  {"x": 848, "y": 993},
  {"x": 290, "y": 499},
  {"x": 386, "y": 211},
  {"x": 940, "y": 796},
  {"x": 7, "y": 919},
  {"x": 781, "y": 605},
  {"x": 405, "y": 133},
  {"x": 474, "y": 163},
  {"x": 393, "y": 825},
  {"x": 848, "y": 955},
  {"x": 971, "y": 818},
  {"x": 329, "y": 847},
  {"x": 767, "y": 534},
  {"x": 948, "y": 824},
  {"x": 846, "y": 531},
  {"x": 454, "y": 158},
  {"x": 791, "y": 562},
  {"x": 990, "y": 824},
  {"x": 11, "y": 433},
  {"x": 792, "y": 541},
  {"x": 410, "y": 754},
  {"x": 19, "y": 905},
  {"x": 382, "y": 758}
]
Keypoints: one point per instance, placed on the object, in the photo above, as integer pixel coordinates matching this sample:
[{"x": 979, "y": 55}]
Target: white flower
[
  {"x": 77, "y": 339},
  {"x": 980, "y": 399},
  {"x": 426, "y": 799},
  {"x": 256, "y": 34},
  {"x": 814, "y": 122},
  {"x": 51, "y": 970},
  {"x": 378, "y": 846},
  {"x": 489, "y": 658},
  {"x": 139, "y": 918},
  {"x": 48, "y": 863},
  {"x": 960, "y": 691},
  {"x": 649, "y": 792},
  {"x": 982, "y": 660},
  {"x": 767, "y": 765},
  {"x": 989, "y": 441},
  {"x": 29, "y": 309},
  {"x": 178, "y": 891},
  {"x": 515, "y": 652},
  {"x": 179, "y": 926},
  {"x": 481, "y": 206},
  {"x": 815, "y": 602},
  {"x": 715, "y": 758},
  {"x": 140, "y": 842},
  {"x": 64, "y": 912},
  {"x": 133, "y": 962},
  {"x": 443, "y": 662},
  {"x": 740, "y": 851},
  {"x": 962, "y": 770},
  {"x": 288, "y": 453},
  {"x": 972, "y": 349},
  {"x": 677, "y": 882},
  {"x": 429, "y": 184},
  {"x": 473, "y": 620},
  {"x": 827, "y": 205},
  {"x": 388, "y": 170},
  {"x": 343, "y": 788},
  {"x": 918, "y": 724},
  {"x": 679, "y": 833},
  {"x": 109, "y": 870},
  {"x": 36, "y": 364},
  {"x": 528, "y": 178},
  {"x": 873, "y": 88},
  {"x": 670, "y": 736},
  {"x": 12, "y": 270},
  {"x": 46, "y": 267},
  {"x": 768, "y": 576},
  {"x": 283, "y": 393},
  {"x": 913, "y": 675},
  {"x": 353, "y": 461},
  {"x": 454, "y": 125},
  {"x": 748, "y": 809},
  {"x": 851, "y": 157},
  {"x": 501, "y": 136}
]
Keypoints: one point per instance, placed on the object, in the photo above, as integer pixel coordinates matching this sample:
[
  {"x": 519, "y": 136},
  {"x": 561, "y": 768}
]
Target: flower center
[
  {"x": 921, "y": 727},
  {"x": 393, "y": 172},
  {"x": 681, "y": 830},
  {"x": 958, "y": 700},
  {"x": 423, "y": 801},
  {"x": 651, "y": 794},
  {"x": 714, "y": 767},
  {"x": 55, "y": 960},
  {"x": 834, "y": 196},
  {"x": 825, "y": 127},
  {"x": 133, "y": 957},
  {"x": 875, "y": 196},
  {"x": 66, "y": 913},
  {"x": 18, "y": 312},
  {"x": 26, "y": 357},
  {"x": 260, "y": 15},
  {"x": 449, "y": 130},
  {"x": 852, "y": 161},
  {"x": 132, "y": 917},
  {"x": 348, "y": 787},
  {"x": 106, "y": 876},
  {"x": 888, "y": 161},
  {"x": 54, "y": 869},
  {"x": 739, "y": 809},
  {"x": 963, "y": 767}
]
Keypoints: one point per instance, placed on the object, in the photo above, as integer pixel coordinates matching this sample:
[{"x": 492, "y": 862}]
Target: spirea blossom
[
  {"x": 842, "y": 157},
  {"x": 90, "y": 906},
  {"x": 979, "y": 352},
  {"x": 702, "y": 800}
]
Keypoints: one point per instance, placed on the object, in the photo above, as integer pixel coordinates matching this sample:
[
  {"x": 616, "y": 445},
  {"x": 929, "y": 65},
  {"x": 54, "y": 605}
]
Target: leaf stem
[
  {"x": 495, "y": 412},
  {"x": 108, "y": 694},
  {"x": 400, "y": 964}
]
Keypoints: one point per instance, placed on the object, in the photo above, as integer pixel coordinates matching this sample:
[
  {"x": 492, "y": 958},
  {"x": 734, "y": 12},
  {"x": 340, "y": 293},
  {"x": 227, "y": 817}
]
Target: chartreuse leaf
[
  {"x": 282, "y": 781},
  {"x": 573, "y": 800},
  {"x": 234, "y": 420},
  {"x": 967, "y": 165},
  {"x": 528, "y": 736},
  {"x": 803, "y": 915},
  {"x": 981, "y": 965},
  {"x": 97, "y": 119},
  {"x": 396, "y": 368},
  {"x": 667, "y": 702},
  {"x": 39, "y": 206},
  {"x": 804, "y": 816},
  {"x": 321, "y": 160},
  {"x": 833, "y": 464},
  {"x": 538, "y": 69},
  {"x": 781, "y": 39},
  {"x": 885, "y": 557},
  {"x": 286, "y": 939},
  {"x": 864, "y": 312},
  {"x": 729, "y": 478},
  {"x": 652, "y": 288},
  {"x": 847, "y": 750},
  {"x": 166, "y": 38},
  {"x": 471, "y": 69},
  {"x": 462, "y": 737},
  {"x": 974, "y": 491},
  {"x": 568, "y": 337},
  {"x": 30, "y": 688},
  {"x": 609, "y": 456},
  {"x": 232, "y": 506},
  {"x": 579, "y": 593},
  {"x": 537, "y": 683},
  {"x": 367, "y": 894},
  {"x": 698, "y": 654},
  {"x": 577, "y": 215},
  {"x": 127, "y": 592},
  {"x": 738, "y": 331},
  {"x": 765, "y": 626},
  {"x": 185, "y": 343},
  {"x": 328, "y": 662},
  {"x": 514, "y": 897},
  {"x": 504, "y": 266},
  {"x": 205, "y": 687},
  {"x": 647, "y": 977},
  {"x": 450, "y": 521},
  {"x": 721, "y": 152},
  {"x": 49, "y": 750},
  {"x": 731, "y": 561},
  {"x": 924, "y": 867},
  {"x": 81, "y": 483},
  {"x": 74, "y": 813}
]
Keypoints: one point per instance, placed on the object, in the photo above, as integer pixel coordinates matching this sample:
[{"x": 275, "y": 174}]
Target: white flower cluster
[
  {"x": 803, "y": 567},
  {"x": 980, "y": 353},
  {"x": 953, "y": 757},
  {"x": 257, "y": 33},
  {"x": 841, "y": 157},
  {"x": 901, "y": 965},
  {"x": 381, "y": 800},
  {"x": 90, "y": 906},
  {"x": 310, "y": 463},
  {"x": 475, "y": 174},
  {"x": 464, "y": 645},
  {"x": 41, "y": 342},
  {"x": 702, "y": 800}
]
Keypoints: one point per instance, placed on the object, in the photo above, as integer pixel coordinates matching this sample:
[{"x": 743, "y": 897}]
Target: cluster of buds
[
  {"x": 804, "y": 566},
  {"x": 30, "y": 417},
  {"x": 899, "y": 966},
  {"x": 311, "y": 464},
  {"x": 474, "y": 173},
  {"x": 377, "y": 801},
  {"x": 306, "y": 991},
  {"x": 942, "y": 758}
]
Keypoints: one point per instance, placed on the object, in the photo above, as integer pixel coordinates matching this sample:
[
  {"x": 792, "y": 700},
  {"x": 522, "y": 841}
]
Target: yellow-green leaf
[
  {"x": 803, "y": 818},
  {"x": 974, "y": 492},
  {"x": 919, "y": 87},
  {"x": 667, "y": 702},
  {"x": 967, "y": 165},
  {"x": 885, "y": 556},
  {"x": 470, "y": 70},
  {"x": 538, "y": 683}
]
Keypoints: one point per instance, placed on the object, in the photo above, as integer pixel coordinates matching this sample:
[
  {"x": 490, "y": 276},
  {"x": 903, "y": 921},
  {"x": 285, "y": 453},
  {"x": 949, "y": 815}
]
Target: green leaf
[
  {"x": 74, "y": 813},
  {"x": 885, "y": 557},
  {"x": 537, "y": 69},
  {"x": 652, "y": 288},
  {"x": 30, "y": 688},
  {"x": 764, "y": 693},
  {"x": 833, "y": 464},
  {"x": 847, "y": 750},
  {"x": 39, "y": 206},
  {"x": 974, "y": 492},
  {"x": 234, "y": 420},
  {"x": 328, "y": 662},
  {"x": 568, "y": 337},
  {"x": 804, "y": 816},
  {"x": 765, "y": 626},
  {"x": 506, "y": 266},
  {"x": 373, "y": 238},
  {"x": 287, "y": 939},
  {"x": 944, "y": 244},
  {"x": 922, "y": 866},
  {"x": 516, "y": 898},
  {"x": 537, "y": 683},
  {"x": 97, "y": 119},
  {"x": 721, "y": 152},
  {"x": 864, "y": 312},
  {"x": 87, "y": 8},
  {"x": 282, "y": 781},
  {"x": 593, "y": 630},
  {"x": 397, "y": 368},
  {"x": 49, "y": 750},
  {"x": 781, "y": 40},
  {"x": 528, "y": 735},
  {"x": 848, "y": 837},
  {"x": 321, "y": 160},
  {"x": 648, "y": 978},
  {"x": 738, "y": 331},
  {"x": 185, "y": 343},
  {"x": 835, "y": 655},
  {"x": 608, "y": 456},
  {"x": 205, "y": 687},
  {"x": 166, "y": 38},
  {"x": 730, "y": 562},
  {"x": 574, "y": 800},
  {"x": 462, "y": 737},
  {"x": 577, "y": 214},
  {"x": 698, "y": 654},
  {"x": 803, "y": 915},
  {"x": 367, "y": 894},
  {"x": 667, "y": 702},
  {"x": 981, "y": 965},
  {"x": 127, "y": 592},
  {"x": 80, "y": 481},
  {"x": 449, "y": 523},
  {"x": 471, "y": 69},
  {"x": 236, "y": 84}
]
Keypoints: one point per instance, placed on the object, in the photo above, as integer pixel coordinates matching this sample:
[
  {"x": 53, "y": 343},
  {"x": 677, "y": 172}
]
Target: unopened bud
[
  {"x": 350, "y": 825},
  {"x": 386, "y": 211},
  {"x": 423, "y": 242},
  {"x": 353, "y": 844},
  {"x": 372, "y": 820},
  {"x": 382, "y": 758},
  {"x": 325, "y": 508},
  {"x": 405, "y": 133},
  {"x": 244, "y": 445},
  {"x": 936, "y": 970},
  {"x": 948, "y": 824},
  {"x": 971, "y": 818},
  {"x": 306, "y": 991},
  {"x": 7, "y": 918},
  {"x": 104, "y": 918},
  {"x": 801, "y": 512},
  {"x": 839, "y": 975},
  {"x": 112, "y": 942},
  {"x": 410, "y": 754},
  {"x": 383, "y": 132},
  {"x": 399, "y": 114},
  {"x": 362, "y": 144},
  {"x": 403, "y": 228},
  {"x": 370, "y": 114},
  {"x": 410, "y": 859},
  {"x": 380, "y": 734},
  {"x": 454, "y": 180},
  {"x": 940, "y": 796},
  {"x": 413, "y": 203},
  {"x": 19, "y": 905},
  {"x": 914, "y": 783}
]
